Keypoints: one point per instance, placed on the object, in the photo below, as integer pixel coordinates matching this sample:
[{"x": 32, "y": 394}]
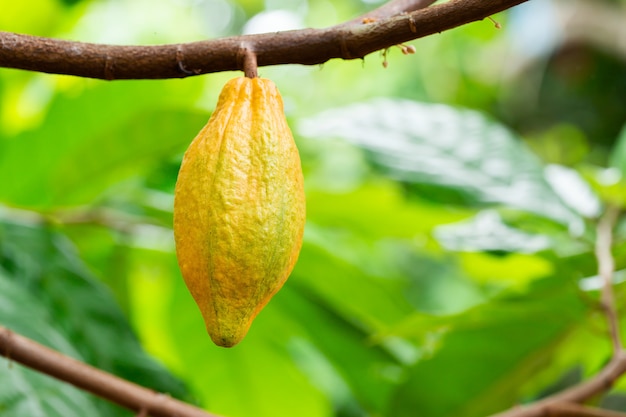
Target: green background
[{"x": 452, "y": 198}]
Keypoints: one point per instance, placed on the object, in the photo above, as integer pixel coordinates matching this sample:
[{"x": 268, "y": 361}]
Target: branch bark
[
  {"x": 88, "y": 378},
  {"x": 307, "y": 46}
]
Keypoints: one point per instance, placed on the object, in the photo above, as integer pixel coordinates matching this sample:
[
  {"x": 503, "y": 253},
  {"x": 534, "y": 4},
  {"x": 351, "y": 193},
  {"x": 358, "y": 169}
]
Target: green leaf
[
  {"x": 573, "y": 190},
  {"x": 487, "y": 232},
  {"x": 361, "y": 374},
  {"x": 379, "y": 274},
  {"x": 384, "y": 211},
  {"x": 488, "y": 353},
  {"x": 514, "y": 270},
  {"x": 448, "y": 147},
  {"x": 82, "y": 148},
  {"x": 373, "y": 297}
]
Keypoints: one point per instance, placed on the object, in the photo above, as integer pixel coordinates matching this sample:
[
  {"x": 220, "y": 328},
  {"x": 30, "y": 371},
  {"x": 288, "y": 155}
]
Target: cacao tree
[{"x": 462, "y": 161}]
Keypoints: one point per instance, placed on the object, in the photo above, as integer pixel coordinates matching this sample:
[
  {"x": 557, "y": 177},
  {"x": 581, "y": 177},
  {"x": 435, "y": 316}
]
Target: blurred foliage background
[{"x": 448, "y": 265}]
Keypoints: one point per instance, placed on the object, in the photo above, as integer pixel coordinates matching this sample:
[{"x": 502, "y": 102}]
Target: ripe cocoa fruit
[{"x": 239, "y": 208}]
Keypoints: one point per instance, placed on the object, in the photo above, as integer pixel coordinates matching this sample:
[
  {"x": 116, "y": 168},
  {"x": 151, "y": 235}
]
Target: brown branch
[
  {"x": 606, "y": 267},
  {"x": 134, "y": 397},
  {"x": 306, "y": 46},
  {"x": 598, "y": 384},
  {"x": 577, "y": 410}
]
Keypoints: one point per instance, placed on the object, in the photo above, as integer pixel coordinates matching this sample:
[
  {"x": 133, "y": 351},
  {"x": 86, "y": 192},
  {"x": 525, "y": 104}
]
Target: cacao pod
[{"x": 239, "y": 208}]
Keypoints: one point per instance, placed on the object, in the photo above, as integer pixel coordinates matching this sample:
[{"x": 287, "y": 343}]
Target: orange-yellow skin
[{"x": 239, "y": 208}]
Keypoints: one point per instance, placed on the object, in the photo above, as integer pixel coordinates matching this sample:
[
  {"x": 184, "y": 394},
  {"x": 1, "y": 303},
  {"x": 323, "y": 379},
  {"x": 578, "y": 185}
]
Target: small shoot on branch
[
  {"x": 495, "y": 22},
  {"x": 406, "y": 50}
]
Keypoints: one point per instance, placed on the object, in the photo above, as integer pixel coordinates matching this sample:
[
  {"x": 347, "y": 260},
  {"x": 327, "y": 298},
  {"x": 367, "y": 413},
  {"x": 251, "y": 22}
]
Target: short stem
[{"x": 250, "y": 68}]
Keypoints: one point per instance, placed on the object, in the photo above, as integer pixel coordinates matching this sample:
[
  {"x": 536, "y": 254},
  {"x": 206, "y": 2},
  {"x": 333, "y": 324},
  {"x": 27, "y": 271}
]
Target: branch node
[
  {"x": 412, "y": 24},
  {"x": 181, "y": 65},
  {"x": 109, "y": 68},
  {"x": 345, "y": 51}
]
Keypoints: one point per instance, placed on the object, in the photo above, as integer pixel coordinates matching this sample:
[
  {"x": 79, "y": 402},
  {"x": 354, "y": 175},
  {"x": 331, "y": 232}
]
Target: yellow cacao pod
[{"x": 239, "y": 208}]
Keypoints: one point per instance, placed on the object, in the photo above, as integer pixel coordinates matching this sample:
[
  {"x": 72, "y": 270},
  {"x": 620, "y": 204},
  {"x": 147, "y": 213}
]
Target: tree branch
[
  {"x": 606, "y": 267},
  {"x": 110, "y": 387},
  {"x": 576, "y": 410},
  {"x": 600, "y": 383},
  {"x": 306, "y": 46}
]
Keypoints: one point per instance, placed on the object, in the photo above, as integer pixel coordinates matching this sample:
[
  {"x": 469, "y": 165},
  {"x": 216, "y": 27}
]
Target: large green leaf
[
  {"x": 375, "y": 235},
  {"x": 378, "y": 210},
  {"x": 364, "y": 373},
  {"x": 487, "y": 232},
  {"x": 64, "y": 307},
  {"x": 452, "y": 148},
  {"x": 91, "y": 141},
  {"x": 487, "y": 353}
]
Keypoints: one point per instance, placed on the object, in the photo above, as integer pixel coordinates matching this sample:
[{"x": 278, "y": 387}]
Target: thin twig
[
  {"x": 306, "y": 46},
  {"x": 134, "y": 397},
  {"x": 577, "y": 410},
  {"x": 606, "y": 267},
  {"x": 599, "y": 383}
]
